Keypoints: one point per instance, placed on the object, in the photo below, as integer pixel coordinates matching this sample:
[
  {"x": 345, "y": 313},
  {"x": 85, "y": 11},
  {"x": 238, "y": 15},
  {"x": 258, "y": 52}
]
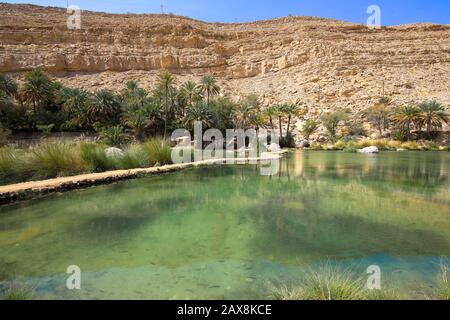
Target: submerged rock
[{"x": 369, "y": 150}]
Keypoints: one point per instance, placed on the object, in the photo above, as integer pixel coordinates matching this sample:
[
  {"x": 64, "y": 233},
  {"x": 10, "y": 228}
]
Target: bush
[
  {"x": 134, "y": 157},
  {"x": 430, "y": 146},
  {"x": 17, "y": 292},
  {"x": 53, "y": 159},
  {"x": 9, "y": 164},
  {"x": 287, "y": 141},
  {"x": 400, "y": 135},
  {"x": 4, "y": 134},
  {"x": 158, "y": 151},
  {"x": 330, "y": 283},
  {"x": 411, "y": 145},
  {"x": 95, "y": 157},
  {"x": 340, "y": 145},
  {"x": 113, "y": 136},
  {"x": 355, "y": 128}
]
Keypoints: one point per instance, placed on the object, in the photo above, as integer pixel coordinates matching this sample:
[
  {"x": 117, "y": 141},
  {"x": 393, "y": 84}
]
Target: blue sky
[{"x": 394, "y": 12}]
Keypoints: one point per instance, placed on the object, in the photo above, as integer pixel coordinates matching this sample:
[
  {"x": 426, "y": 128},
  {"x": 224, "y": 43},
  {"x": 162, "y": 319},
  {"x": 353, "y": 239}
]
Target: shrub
[
  {"x": 340, "y": 145},
  {"x": 53, "y": 159},
  {"x": 158, "y": 151},
  {"x": 95, "y": 157},
  {"x": 356, "y": 128},
  {"x": 17, "y": 292},
  {"x": 400, "y": 134},
  {"x": 330, "y": 283},
  {"x": 410, "y": 145},
  {"x": 45, "y": 129},
  {"x": 287, "y": 141},
  {"x": 9, "y": 164},
  {"x": 394, "y": 145},
  {"x": 4, "y": 134},
  {"x": 134, "y": 157},
  {"x": 309, "y": 128},
  {"x": 112, "y": 136},
  {"x": 430, "y": 145},
  {"x": 332, "y": 120}
]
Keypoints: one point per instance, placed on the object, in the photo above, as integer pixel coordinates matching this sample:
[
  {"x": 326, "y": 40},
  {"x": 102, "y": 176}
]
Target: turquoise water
[{"x": 226, "y": 232}]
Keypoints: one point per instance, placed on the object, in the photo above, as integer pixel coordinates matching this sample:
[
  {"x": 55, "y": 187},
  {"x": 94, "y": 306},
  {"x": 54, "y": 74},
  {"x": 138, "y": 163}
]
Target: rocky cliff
[{"x": 319, "y": 62}]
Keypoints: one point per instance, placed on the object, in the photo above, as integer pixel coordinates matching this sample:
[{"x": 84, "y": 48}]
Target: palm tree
[
  {"x": 76, "y": 104},
  {"x": 8, "y": 85},
  {"x": 271, "y": 113},
  {"x": 280, "y": 112},
  {"x": 198, "y": 112},
  {"x": 38, "y": 89},
  {"x": 292, "y": 110},
  {"x": 190, "y": 93},
  {"x": 133, "y": 96},
  {"x": 209, "y": 86},
  {"x": 407, "y": 117},
  {"x": 137, "y": 120},
  {"x": 165, "y": 83},
  {"x": 433, "y": 116},
  {"x": 106, "y": 107},
  {"x": 244, "y": 112}
]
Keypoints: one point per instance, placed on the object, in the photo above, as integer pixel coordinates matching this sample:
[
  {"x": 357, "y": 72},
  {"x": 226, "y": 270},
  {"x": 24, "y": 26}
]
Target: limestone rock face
[{"x": 320, "y": 63}]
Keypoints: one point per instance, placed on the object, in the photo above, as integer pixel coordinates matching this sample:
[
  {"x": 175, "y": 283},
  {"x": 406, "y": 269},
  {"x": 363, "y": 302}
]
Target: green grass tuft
[
  {"x": 158, "y": 151},
  {"x": 331, "y": 283},
  {"x": 17, "y": 292}
]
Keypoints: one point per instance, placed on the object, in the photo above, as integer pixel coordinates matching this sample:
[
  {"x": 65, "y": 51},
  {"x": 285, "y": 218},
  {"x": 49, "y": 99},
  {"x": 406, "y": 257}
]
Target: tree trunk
[
  {"x": 281, "y": 128},
  {"x": 289, "y": 125},
  {"x": 165, "y": 114}
]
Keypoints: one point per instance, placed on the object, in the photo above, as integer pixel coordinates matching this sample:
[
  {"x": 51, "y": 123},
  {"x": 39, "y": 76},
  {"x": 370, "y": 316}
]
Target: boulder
[
  {"x": 369, "y": 150},
  {"x": 114, "y": 152}
]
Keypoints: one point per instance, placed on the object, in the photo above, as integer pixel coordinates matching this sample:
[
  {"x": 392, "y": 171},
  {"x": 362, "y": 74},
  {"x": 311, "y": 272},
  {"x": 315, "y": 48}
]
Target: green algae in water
[{"x": 227, "y": 233}]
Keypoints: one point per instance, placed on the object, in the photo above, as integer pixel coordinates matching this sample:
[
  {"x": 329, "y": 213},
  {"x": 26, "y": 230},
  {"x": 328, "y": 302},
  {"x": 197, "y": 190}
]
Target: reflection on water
[{"x": 226, "y": 232}]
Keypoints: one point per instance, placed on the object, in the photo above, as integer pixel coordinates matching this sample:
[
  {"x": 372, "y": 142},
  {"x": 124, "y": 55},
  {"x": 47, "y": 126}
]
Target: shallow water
[{"x": 229, "y": 233}]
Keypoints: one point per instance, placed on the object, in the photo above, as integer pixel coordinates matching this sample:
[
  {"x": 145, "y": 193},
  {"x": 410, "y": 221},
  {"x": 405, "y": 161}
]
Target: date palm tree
[
  {"x": 244, "y": 113},
  {"x": 280, "y": 113},
  {"x": 292, "y": 111},
  {"x": 165, "y": 83},
  {"x": 190, "y": 93},
  {"x": 76, "y": 104},
  {"x": 198, "y": 112},
  {"x": 433, "y": 116},
  {"x": 133, "y": 96},
  {"x": 37, "y": 90},
  {"x": 106, "y": 107},
  {"x": 8, "y": 86},
  {"x": 271, "y": 113},
  {"x": 208, "y": 86},
  {"x": 407, "y": 117}
]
